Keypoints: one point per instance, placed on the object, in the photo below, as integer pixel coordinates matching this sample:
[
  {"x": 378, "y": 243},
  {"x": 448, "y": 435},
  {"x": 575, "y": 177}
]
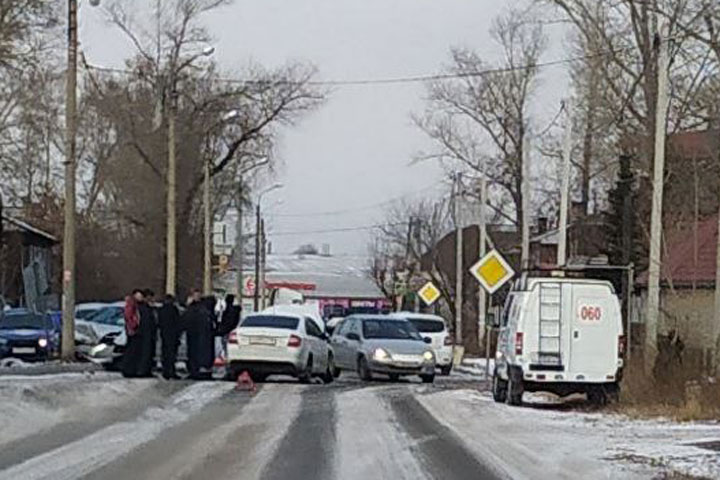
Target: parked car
[
  {"x": 280, "y": 343},
  {"x": 392, "y": 346},
  {"x": 109, "y": 318},
  {"x": 433, "y": 327},
  {"x": 332, "y": 324},
  {"x": 28, "y": 336},
  {"x": 84, "y": 310},
  {"x": 561, "y": 336}
]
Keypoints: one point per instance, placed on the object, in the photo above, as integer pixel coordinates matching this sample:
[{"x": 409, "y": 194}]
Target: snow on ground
[
  {"x": 85, "y": 455},
  {"x": 549, "y": 440},
  {"x": 474, "y": 366},
  {"x": 31, "y": 404}
]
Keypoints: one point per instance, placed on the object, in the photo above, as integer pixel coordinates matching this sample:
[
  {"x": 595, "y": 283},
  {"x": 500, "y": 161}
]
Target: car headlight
[
  {"x": 43, "y": 342},
  {"x": 381, "y": 355},
  {"x": 428, "y": 356}
]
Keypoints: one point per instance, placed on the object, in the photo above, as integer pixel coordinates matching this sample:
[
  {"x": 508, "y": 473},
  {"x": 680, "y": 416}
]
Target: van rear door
[{"x": 595, "y": 328}]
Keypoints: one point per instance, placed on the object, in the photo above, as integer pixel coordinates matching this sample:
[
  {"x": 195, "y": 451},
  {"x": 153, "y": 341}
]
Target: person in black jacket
[
  {"x": 148, "y": 335},
  {"x": 230, "y": 316},
  {"x": 170, "y": 330},
  {"x": 198, "y": 321}
]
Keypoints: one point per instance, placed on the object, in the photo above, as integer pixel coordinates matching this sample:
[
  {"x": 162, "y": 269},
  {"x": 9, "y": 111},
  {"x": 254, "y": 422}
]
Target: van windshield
[{"x": 428, "y": 326}]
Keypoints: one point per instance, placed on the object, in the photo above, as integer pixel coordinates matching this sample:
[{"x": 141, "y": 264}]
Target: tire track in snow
[{"x": 85, "y": 455}]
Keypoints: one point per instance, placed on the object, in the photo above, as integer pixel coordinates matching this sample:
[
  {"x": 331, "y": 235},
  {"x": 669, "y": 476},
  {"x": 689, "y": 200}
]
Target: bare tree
[{"x": 486, "y": 109}]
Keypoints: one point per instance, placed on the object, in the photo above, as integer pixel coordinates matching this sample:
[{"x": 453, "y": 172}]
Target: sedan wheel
[
  {"x": 363, "y": 370},
  {"x": 306, "y": 375},
  {"x": 329, "y": 374}
]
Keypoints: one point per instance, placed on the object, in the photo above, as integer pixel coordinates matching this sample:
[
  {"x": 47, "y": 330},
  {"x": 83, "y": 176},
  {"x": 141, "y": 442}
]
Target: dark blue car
[{"x": 28, "y": 336}]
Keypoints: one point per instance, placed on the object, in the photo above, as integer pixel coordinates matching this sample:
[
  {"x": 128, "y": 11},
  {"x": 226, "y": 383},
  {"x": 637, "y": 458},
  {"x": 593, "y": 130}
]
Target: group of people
[{"x": 199, "y": 320}]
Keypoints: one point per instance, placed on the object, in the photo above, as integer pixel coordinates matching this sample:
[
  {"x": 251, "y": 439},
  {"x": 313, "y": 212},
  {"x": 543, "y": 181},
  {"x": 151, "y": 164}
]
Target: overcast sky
[{"x": 355, "y": 151}]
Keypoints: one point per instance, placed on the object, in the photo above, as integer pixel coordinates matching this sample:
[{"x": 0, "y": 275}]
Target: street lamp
[
  {"x": 171, "y": 240},
  {"x": 67, "y": 344},
  {"x": 259, "y": 240}
]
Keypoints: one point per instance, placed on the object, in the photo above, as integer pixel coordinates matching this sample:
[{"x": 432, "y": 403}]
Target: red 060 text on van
[{"x": 590, "y": 313}]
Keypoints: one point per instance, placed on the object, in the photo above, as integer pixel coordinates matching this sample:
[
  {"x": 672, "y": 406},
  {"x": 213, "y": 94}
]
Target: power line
[
  {"x": 356, "y": 209},
  {"x": 394, "y": 80},
  {"x": 338, "y": 230}
]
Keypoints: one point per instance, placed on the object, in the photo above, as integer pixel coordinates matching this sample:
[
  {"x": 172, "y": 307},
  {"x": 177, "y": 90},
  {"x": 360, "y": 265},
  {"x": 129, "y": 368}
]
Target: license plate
[
  {"x": 262, "y": 341},
  {"x": 23, "y": 350}
]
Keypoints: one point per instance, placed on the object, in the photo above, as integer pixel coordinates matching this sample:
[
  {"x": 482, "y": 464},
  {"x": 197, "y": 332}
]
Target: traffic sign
[
  {"x": 492, "y": 271},
  {"x": 249, "y": 284},
  {"x": 429, "y": 293}
]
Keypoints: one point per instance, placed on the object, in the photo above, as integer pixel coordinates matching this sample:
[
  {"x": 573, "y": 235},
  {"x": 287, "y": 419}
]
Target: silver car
[{"x": 380, "y": 344}]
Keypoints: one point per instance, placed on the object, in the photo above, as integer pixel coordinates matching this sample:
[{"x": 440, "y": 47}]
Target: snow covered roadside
[
  {"x": 474, "y": 366},
  {"x": 552, "y": 442},
  {"x": 32, "y": 404}
]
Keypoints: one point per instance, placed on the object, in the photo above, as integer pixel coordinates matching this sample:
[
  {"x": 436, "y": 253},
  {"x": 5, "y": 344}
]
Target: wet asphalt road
[{"x": 348, "y": 429}]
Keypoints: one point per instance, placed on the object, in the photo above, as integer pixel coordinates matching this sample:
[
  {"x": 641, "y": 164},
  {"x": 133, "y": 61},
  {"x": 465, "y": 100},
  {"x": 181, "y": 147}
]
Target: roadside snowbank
[
  {"x": 550, "y": 440},
  {"x": 31, "y": 404}
]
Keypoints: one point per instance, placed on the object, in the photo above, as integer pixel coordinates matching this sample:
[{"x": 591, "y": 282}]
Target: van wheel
[
  {"x": 499, "y": 388},
  {"x": 363, "y": 370},
  {"x": 394, "y": 377},
  {"x": 445, "y": 371},
  {"x": 427, "y": 378},
  {"x": 597, "y": 396},
  {"x": 514, "y": 392}
]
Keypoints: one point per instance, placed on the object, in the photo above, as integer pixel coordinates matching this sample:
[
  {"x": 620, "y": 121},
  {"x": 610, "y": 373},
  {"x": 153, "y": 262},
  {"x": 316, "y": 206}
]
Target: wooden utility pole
[
  {"x": 207, "y": 232},
  {"x": 458, "y": 260},
  {"x": 67, "y": 343},
  {"x": 565, "y": 188},
  {"x": 171, "y": 208},
  {"x": 653, "y": 303},
  {"x": 525, "y": 190}
]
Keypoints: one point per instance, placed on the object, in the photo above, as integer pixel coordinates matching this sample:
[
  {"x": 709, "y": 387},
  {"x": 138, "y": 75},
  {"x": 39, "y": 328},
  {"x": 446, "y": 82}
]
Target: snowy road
[{"x": 103, "y": 427}]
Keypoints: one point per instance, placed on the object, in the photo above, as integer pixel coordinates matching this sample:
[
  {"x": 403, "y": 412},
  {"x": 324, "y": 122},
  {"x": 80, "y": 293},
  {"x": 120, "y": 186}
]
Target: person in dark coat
[
  {"x": 148, "y": 335},
  {"x": 198, "y": 321},
  {"x": 133, "y": 344},
  {"x": 230, "y": 317},
  {"x": 170, "y": 329}
]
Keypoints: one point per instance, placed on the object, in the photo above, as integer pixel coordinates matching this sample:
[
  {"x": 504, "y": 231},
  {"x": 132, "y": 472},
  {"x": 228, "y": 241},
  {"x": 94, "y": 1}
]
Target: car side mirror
[
  {"x": 427, "y": 340},
  {"x": 492, "y": 320},
  {"x": 353, "y": 336}
]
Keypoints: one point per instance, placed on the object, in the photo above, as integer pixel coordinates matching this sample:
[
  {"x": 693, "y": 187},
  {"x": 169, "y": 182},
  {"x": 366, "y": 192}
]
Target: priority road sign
[
  {"x": 492, "y": 271},
  {"x": 429, "y": 293}
]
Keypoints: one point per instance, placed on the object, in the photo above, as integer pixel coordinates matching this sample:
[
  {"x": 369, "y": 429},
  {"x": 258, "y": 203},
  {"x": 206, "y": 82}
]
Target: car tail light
[
  {"x": 518, "y": 343},
  {"x": 294, "y": 341},
  {"x": 232, "y": 337},
  {"x": 621, "y": 346},
  {"x": 448, "y": 341}
]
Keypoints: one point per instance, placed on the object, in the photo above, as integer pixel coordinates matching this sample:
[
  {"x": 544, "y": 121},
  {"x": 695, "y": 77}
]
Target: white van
[{"x": 559, "y": 335}]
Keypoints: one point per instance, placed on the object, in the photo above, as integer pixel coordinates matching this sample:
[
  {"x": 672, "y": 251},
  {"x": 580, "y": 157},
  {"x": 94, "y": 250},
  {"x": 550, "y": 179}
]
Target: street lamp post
[
  {"x": 67, "y": 344},
  {"x": 258, "y": 245}
]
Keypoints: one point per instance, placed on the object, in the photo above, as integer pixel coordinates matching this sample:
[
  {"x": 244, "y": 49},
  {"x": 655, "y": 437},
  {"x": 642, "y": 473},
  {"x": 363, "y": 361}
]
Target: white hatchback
[
  {"x": 433, "y": 327},
  {"x": 279, "y": 344}
]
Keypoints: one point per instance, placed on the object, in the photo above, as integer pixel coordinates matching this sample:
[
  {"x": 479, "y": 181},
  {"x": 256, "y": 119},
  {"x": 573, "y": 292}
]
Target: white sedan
[{"x": 280, "y": 344}]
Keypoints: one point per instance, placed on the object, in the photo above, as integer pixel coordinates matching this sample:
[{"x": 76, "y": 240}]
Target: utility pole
[
  {"x": 653, "y": 303},
  {"x": 239, "y": 244},
  {"x": 258, "y": 234},
  {"x": 565, "y": 188},
  {"x": 263, "y": 260},
  {"x": 171, "y": 234},
  {"x": 458, "y": 261},
  {"x": 68, "y": 301},
  {"x": 483, "y": 328},
  {"x": 525, "y": 190},
  {"x": 207, "y": 232}
]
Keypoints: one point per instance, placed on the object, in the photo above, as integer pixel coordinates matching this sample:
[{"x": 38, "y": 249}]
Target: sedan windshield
[
  {"x": 85, "y": 313},
  {"x": 23, "y": 320},
  {"x": 107, "y": 316},
  {"x": 390, "y": 329},
  {"x": 271, "y": 321},
  {"x": 428, "y": 326}
]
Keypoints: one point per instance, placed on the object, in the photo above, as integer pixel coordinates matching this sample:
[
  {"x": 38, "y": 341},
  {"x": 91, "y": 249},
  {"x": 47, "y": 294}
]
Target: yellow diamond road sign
[
  {"x": 492, "y": 271},
  {"x": 429, "y": 293}
]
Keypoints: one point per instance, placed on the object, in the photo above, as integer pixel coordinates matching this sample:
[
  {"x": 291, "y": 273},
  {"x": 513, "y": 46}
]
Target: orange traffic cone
[{"x": 245, "y": 382}]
